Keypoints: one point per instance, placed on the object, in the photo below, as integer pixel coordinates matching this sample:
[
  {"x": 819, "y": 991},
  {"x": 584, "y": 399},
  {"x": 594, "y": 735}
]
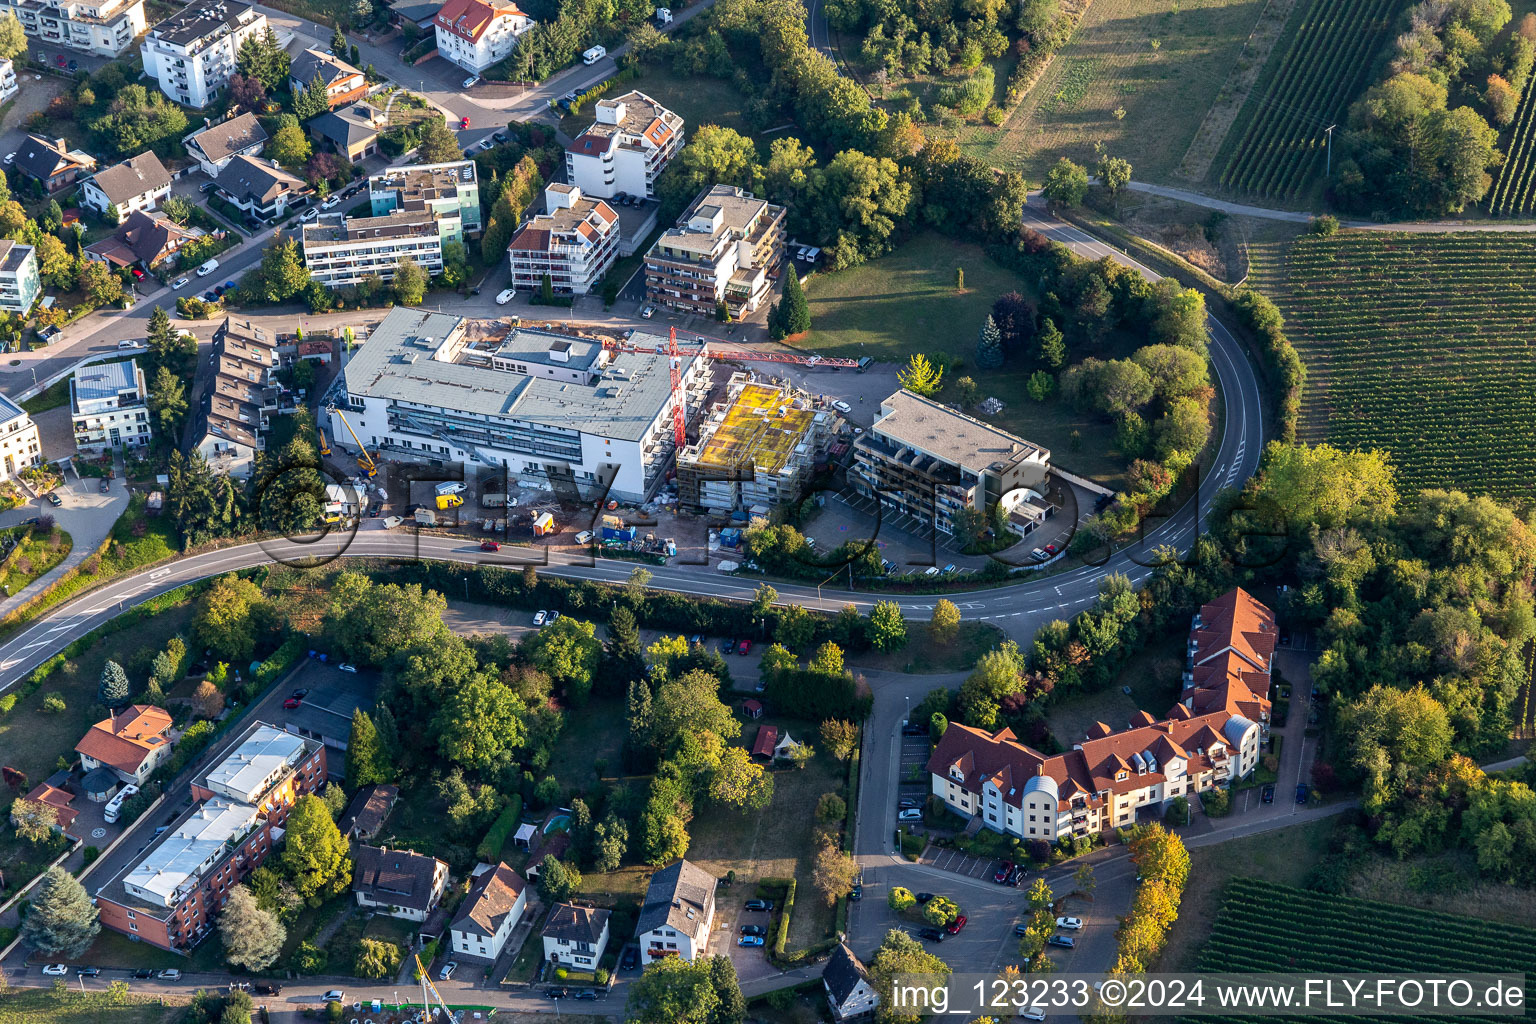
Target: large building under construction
[{"x": 757, "y": 448}]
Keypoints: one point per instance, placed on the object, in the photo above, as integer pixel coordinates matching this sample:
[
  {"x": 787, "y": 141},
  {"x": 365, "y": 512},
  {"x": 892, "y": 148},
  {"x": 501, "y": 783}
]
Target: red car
[
  {"x": 291, "y": 703},
  {"x": 745, "y": 647},
  {"x": 60, "y": 61},
  {"x": 490, "y": 545},
  {"x": 954, "y": 927},
  {"x": 138, "y": 275},
  {"x": 1051, "y": 549},
  {"x": 1001, "y": 874},
  {"x": 463, "y": 122}
]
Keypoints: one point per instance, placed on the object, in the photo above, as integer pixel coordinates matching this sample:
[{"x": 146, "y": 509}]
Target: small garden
[{"x": 30, "y": 552}]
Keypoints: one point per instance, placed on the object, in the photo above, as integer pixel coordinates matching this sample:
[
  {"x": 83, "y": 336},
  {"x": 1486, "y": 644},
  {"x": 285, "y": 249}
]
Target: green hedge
[
  {"x": 277, "y": 663},
  {"x": 853, "y": 800},
  {"x": 490, "y": 847}
]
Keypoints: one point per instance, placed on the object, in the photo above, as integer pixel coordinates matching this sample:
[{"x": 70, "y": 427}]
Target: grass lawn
[
  {"x": 595, "y": 733},
  {"x": 51, "y": 397},
  {"x": 698, "y": 100},
  {"x": 113, "y": 949},
  {"x": 1161, "y": 62},
  {"x": 38, "y": 555},
  {"x": 41, "y": 1006},
  {"x": 1394, "y": 881},
  {"x": 922, "y": 657},
  {"x": 1154, "y": 676}
]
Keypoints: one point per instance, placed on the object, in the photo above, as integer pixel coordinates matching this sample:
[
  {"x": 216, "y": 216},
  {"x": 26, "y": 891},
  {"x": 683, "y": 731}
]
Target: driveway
[{"x": 87, "y": 516}]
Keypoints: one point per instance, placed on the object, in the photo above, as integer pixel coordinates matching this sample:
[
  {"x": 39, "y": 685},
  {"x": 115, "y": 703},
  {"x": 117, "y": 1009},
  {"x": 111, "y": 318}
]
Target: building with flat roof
[
  {"x": 252, "y": 768},
  {"x": 20, "y": 445},
  {"x": 625, "y": 149},
  {"x": 21, "y": 283},
  {"x": 475, "y": 34},
  {"x": 574, "y": 243},
  {"x": 540, "y": 405},
  {"x": 728, "y": 247},
  {"x": 109, "y": 406},
  {"x": 929, "y": 461},
  {"x": 214, "y": 146},
  {"x": 341, "y": 250},
  {"x": 451, "y": 191},
  {"x": 758, "y": 447},
  {"x": 104, "y": 28},
  {"x": 192, "y": 53}
]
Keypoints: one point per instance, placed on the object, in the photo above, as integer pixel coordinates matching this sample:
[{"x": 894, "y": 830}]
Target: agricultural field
[
  {"x": 1325, "y": 58},
  {"x": 1416, "y": 344},
  {"x": 1138, "y": 76},
  {"x": 1259, "y": 922},
  {"x": 1514, "y": 190}
]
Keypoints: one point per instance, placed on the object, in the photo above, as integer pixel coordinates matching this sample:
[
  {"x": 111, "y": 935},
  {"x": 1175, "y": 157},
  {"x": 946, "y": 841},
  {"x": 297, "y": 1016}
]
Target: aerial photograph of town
[{"x": 776, "y": 511}]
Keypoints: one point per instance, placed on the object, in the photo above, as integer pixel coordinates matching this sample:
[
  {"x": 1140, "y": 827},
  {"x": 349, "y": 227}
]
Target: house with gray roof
[
  {"x": 846, "y": 980},
  {"x": 575, "y": 936},
  {"x": 52, "y": 162},
  {"x": 352, "y": 130},
  {"x": 216, "y": 145},
  {"x": 492, "y": 908},
  {"x": 343, "y": 83},
  {"x": 676, "y": 916},
  {"x": 261, "y": 189},
  {"x": 400, "y": 883},
  {"x": 137, "y": 183}
]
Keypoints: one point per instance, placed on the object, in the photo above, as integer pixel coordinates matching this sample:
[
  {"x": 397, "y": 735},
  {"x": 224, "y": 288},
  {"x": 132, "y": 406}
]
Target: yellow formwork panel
[{"x": 761, "y": 427}]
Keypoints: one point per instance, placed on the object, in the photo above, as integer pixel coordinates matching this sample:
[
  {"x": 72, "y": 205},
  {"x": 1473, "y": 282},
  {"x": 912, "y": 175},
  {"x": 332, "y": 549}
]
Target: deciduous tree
[
  {"x": 887, "y": 627},
  {"x": 738, "y": 781},
  {"x": 1066, "y": 183},
  {"x": 314, "y": 851},
  {"x": 833, "y": 874}
]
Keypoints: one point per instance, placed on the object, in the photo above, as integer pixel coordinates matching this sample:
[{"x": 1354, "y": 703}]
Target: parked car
[
  {"x": 10, "y": 158},
  {"x": 174, "y": 974},
  {"x": 586, "y": 993},
  {"x": 930, "y": 934},
  {"x": 647, "y": 312},
  {"x": 300, "y": 693},
  {"x": 309, "y": 215},
  {"x": 557, "y": 993},
  {"x": 753, "y": 929},
  {"x": 463, "y": 122},
  {"x": 331, "y": 203},
  {"x": 1033, "y": 1013},
  {"x": 344, "y": 667},
  {"x": 856, "y": 893},
  {"x": 750, "y": 940},
  {"x": 178, "y": 284},
  {"x": 553, "y": 615},
  {"x": 207, "y": 186},
  {"x": 138, "y": 275},
  {"x": 143, "y": 972},
  {"x": 1071, "y": 924},
  {"x": 488, "y": 144},
  {"x": 908, "y": 803},
  {"x": 760, "y": 905},
  {"x": 745, "y": 647},
  {"x": 914, "y": 729},
  {"x": 447, "y": 970},
  {"x": 539, "y": 617},
  {"x": 1016, "y": 875},
  {"x": 1301, "y": 793},
  {"x": 630, "y": 960},
  {"x": 55, "y": 970},
  {"x": 105, "y": 485},
  {"x": 1064, "y": 941},
  {"x": 957, "y": 925},
  {"x": 505, "y": 296},
  {"x": 500, "y": 136},
  {"x": 469, "y": 83},
  {"x": 490, "y": 545},
  {"x": 267, "y": 988},
  {"x": 54, "y": 499},
  {"x": 924, "y": 897},
  {"x": 1001, "y": 874},
  {"x": 210, "y": 296},
  {"x": 291, "y": 703},
  {"x": 1267, "y": 794},
  {"x": 910, "y": 814},
  {"x": 1021, "y": 929}
]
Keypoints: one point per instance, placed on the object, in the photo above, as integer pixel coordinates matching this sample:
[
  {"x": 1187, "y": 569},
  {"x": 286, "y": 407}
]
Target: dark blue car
[{"x": 1301, "y": 794}]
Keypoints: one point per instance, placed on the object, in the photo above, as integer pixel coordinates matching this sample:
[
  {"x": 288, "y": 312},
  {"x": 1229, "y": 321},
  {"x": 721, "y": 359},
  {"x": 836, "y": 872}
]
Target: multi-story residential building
[
  {"x": 216, "y": 145},
  {"x": 192, "y": 53},
  {"x": 727, "y": 248},
  {"x": 52, "y": 162},
  {"x": 544, "y": 406},
  {"x": 237, "y": 402},
  {"x": 929, "y": 461},
  {"x": 261, "y": 189},
  {"x": 109, "y": 405},
  {"x": 21, "y": 283},
  {"x": 137, "y": 183},
  {"x": 102, "y": 27},
  {"x": 399, "y": 883},
  {"x": 8, "y": 85},
  {"x": 625, "y": 149},
  {"x": 676, "y": 916},
  {"x": 170, "y": 896},
  {"x": 575, "y": 936},
  {"x": 131, "y": 743},
  {"x": 341, "y": 250},
  {"x": 451, "y": 191},
  {"x": 20, "y": 445},
  {"x": 475, "y": 34},
  {"x": 343, "y": 82},
  {"x": 758, "y": 447},
  {"x": 1110, "y": 777},
  {"x": 352, "y": 130},
  {"x": 573, "y": 243},
  {"x": 494, "y": 905},
  {"x": 149, "y": 238}
]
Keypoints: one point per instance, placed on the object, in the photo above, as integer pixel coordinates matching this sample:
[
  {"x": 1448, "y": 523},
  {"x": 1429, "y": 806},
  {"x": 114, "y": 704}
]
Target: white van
[
  {"x": 449, "y": 487},
  {"x": 663, "y": 15},
  {"x": 207, "y": 268},
  {"x": 594, "y": 55}
]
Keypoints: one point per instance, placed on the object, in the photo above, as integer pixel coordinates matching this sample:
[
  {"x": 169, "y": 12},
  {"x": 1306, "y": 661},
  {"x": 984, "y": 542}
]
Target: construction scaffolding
[{"x": 755, "y": 448}]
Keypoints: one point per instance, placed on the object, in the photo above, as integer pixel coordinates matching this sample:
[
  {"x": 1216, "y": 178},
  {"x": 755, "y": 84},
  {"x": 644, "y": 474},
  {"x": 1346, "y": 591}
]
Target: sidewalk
[{"x": 87, "y": 516}]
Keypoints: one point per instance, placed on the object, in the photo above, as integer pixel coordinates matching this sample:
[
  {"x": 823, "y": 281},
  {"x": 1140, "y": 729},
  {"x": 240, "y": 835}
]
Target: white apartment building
[
  {"x": 575, "y": 243},
  {"x": 727, "y": 247},
  {"x": 451, "y": 191},
  {"x": 192, "y": 53},
  {"x": 102, "y": 27},
  {"x": 625, "y": 149},
  {"x": 108, "y": 403},
  {"x": 20, "y": 445},
  {"x": 543, "y": 406},
  {"x": 475, "y": 34},
  {"x": 21, "y": 283},
  {"x": 341, "y": 251},
  {"x": 135, "y": 184},
  {"x": 8, "y": 84},
  {"x": 677, "y": 914}
]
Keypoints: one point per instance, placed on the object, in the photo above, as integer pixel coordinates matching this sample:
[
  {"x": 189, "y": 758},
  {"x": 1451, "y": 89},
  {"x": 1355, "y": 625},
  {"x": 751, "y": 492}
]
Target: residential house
[
  {"x": 103, "y": 28},
  {"x": 728, "y": 247},
  {"x": 214, "y": 146},
  {"x": 451, "y": 191},
  {"x": 575, "y": 937},
  {"x": 849, "y": 992},
  {"x": 261, "y": 189},
  {"x": 109, "y": 405},
  {"x": 926, "y": 460},
  {"x": 52, "y": 162},
  {"x": 192, "y": 53},
  {"x": 352, "y": 130},
  {"x": 573, "y": 244},
  {"x": 368, "y": 811},
  {"x": 475, "y": 34},
  {"x": 20, "y": 446},
  {"x": 343, "y": 82},
  {"x": 421, "y": 13},
  {"x": 493, "y": 907},
  {"x": 8, "y": 85},
  {"x": 132, "y": 743},
  {"x": 138, "y": 183},
  {"x": 58, "y": 799},
  {"x": 399, "y": 883},
  {"x": 625, "y": 149},
  {"x": 145, "y": 237},
  {"x": 21, "y": 282},
  {"x": 676, "y": 916},
  {"x": 342, "y": 250}
]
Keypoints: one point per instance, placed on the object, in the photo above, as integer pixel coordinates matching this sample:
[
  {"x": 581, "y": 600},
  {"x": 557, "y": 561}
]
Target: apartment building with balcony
[
  {"x": 727, "y": 247},
  {"x": 20, "y": 445},
  {"x": 170, "y": 896},
  {"x": 928, "y": 461},
  {"x": 625, "y": 149},
  {"x": 109, "y": 406},
  {"x": 543, "y": 406},
  {"x": 192, "y": 53},
  {"x": 239, "y": 400},
  {"x": 21, "y": 282},
  {"x": 136, "y": 184},
  {"x": 450, "y": 190},
  {"x": 104, "y": 28},
  {"x": 475, "y": 34},
  {"x": 8, "y": 85},
  {"x": 341, "y": 251},
  {"x": 1211, "y": 739},
  {"x": 573, "y": 243}
]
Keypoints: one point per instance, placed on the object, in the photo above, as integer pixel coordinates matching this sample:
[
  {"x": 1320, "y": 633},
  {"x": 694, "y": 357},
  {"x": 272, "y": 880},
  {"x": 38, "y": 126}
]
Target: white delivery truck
[
  {"x": 449, "y": 487},
  {"x": 207, "y": 268},
  {"x": 593, "y": 55}
]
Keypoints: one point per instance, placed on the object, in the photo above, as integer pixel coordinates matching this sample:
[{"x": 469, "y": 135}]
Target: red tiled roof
[
  {"x": 59, "y": 800},
  {"x": 470, "y": 19},
  {"x": 124, "y": 741},
  {"x": 767, "y": 739}
]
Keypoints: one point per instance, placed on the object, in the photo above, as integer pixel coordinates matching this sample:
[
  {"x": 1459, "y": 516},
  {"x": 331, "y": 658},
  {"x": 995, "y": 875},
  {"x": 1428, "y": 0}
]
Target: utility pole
[{"x": 1328, "y": 172}]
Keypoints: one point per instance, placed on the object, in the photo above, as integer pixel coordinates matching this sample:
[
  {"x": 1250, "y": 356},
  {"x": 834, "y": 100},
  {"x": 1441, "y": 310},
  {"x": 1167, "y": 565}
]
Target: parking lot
[{"x": 947, "y": 858}]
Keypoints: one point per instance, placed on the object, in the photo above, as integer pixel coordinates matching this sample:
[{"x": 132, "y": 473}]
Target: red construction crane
[{"x": 679, "y": 432}]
